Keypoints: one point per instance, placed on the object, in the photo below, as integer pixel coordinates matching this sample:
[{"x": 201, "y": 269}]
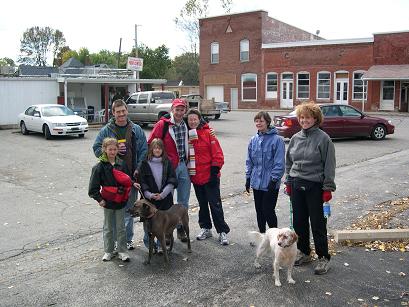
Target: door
[
  {"x": 387, "y": 95},
  {"x": 287, "y": 89},
  {"x": 234, "y": 96},
  {"x": 216, "y": 92},
  {"x": 333, "y": 123},
  {"x": 341, "y": 91},
  {"x": 404, "y": 99},
  {"x": 355, "y": 123}
]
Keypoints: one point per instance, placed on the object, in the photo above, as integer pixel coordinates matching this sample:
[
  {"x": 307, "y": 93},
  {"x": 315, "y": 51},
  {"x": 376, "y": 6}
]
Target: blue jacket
[
  {"x": 138, "y": 141},
  {"x": 265, "y": 159}
]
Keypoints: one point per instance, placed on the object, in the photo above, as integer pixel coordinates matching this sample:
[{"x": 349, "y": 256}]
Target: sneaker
[
  {"x": 124, "y": 257},
  {"x": 107, "y": 257},
  {"x": 223, "y": 239},
  {"x": 204, "y": 234},
  {"x": 302, "y": 259},
  {"x": 130, "y": 245},
  {"x": 181, "y": 235},
  {"x": 322, "y": 266},
  {"x": 115, "y": 251}
]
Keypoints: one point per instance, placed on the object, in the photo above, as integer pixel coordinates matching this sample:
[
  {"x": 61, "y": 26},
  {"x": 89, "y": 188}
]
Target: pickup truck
[
  {"x": 208, "y": 107},
  {"x": 148, "y": 107}
]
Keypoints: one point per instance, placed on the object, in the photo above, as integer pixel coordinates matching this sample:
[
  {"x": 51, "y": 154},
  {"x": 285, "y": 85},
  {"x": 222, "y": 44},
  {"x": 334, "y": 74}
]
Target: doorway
[
  {"x": 341, "y": 91},
  {"x": 234, "y": 96},
  {"x": 404, "y": 97},
  {"x": 287, "y": 89}
]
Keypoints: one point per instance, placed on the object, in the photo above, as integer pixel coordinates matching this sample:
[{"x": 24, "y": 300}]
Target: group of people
[
  {"x": 177, "y": 153},
  {"x": 309, "y": 168},
  {"x": 183, "y": 149}
]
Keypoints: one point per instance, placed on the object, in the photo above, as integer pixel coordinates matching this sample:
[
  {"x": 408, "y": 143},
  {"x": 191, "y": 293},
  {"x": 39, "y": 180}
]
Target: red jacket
[
  {"x": 208, "y": 152},
  {"x": 168, "y": 140}
]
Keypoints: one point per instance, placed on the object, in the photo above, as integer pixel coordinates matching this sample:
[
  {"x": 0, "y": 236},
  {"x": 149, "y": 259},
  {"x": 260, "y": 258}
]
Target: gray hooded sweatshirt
[{"x": 311, "y": 156}]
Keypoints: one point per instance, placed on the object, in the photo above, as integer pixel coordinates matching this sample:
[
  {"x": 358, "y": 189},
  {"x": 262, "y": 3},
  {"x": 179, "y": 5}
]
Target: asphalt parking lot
[{"x": 51, "y": 240}]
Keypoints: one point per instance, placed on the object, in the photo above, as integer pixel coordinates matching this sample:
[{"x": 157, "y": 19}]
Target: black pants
[
  {"x": 265, "y": 203},
  {"x": 306, "y": 198},
  {"x": 209, "y": 196}
]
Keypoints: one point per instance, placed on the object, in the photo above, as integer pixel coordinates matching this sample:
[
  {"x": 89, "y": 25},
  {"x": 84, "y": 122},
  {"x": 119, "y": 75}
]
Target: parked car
[
  {"x": 340, "y": 121},
  {"x": 52, "y": 119},
  {"x": 147, "y": 107},
  {"x": 215, "y": 109}
]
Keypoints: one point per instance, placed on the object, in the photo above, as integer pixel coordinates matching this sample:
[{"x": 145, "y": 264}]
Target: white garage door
[{"x": 216, "y": 92}]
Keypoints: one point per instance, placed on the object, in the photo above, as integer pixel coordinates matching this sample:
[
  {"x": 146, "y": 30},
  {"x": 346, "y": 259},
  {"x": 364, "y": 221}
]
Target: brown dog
[{"x": 161, "y": 224}]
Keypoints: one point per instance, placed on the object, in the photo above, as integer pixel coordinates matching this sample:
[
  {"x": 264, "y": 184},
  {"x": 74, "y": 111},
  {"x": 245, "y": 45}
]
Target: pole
[
  {"x": 119, "y": 52},
  {"x": 363, "y": 93},
  {"x": 136, "y": 73}
]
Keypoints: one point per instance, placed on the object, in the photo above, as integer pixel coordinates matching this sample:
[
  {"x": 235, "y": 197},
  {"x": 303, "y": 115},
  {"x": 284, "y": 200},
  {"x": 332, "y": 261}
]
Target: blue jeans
[
  {"x": 183, "y": 189},
  {"x": 128, "y": 218}
]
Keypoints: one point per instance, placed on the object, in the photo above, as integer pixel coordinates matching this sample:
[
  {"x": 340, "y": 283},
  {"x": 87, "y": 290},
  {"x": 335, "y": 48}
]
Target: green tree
[
  {"x": 189, "y": 15},
  {"x": 187, "y": 67},
  {"x": 7, "y": 61},
  {"x": 37, "y": 43},
  {"x": 104, "y": 57}
]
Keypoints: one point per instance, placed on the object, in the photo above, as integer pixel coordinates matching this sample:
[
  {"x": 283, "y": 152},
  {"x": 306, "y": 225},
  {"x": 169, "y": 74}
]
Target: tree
[
  {"x": 7, "y": 61},
  {"x": 189, "y": 15},
  {"x": 187, "y": 67},
  {"x": 37, "y": 43}
]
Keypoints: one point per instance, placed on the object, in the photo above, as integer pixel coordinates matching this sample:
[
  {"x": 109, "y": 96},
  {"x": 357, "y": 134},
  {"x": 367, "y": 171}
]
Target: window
[
  {"x": 358, "y": 89},
  {"x": 388, "y": 89},
  {"x": 214, "y": 53},
  {"x": 323, "y": 85},
  {"x": 349, "y": 112},
  {"x": 249, "y": 87},
  {"x": 244, "y": 50},
  {"x": 143, "y": 98},
  {"x": 271, "y": 85},
  {"x": 303, "y": 85}
]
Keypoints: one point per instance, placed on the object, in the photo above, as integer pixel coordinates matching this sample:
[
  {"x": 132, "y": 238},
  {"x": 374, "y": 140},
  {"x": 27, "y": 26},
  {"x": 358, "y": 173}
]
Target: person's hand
[
  {"x": 287, "y": 189},
  {"x": 248, "y": 185},
  {"x": 326, "y": 196},
  {"x": 156, "y": 196},
  {"x": 214, "y": 171},
  {"x": 137, "y": 185},
  {"x": 135, "y": 174},
  {"x": 102, "y": 203},
  {"x": 271, "y": 185}
]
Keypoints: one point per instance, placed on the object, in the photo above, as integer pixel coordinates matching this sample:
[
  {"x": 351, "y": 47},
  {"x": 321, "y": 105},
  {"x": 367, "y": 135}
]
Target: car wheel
[
  {"x": 378, "y": 132},
  {"x": 47, "y": 133},
  {"x": 81, "y": 135},
  {"x": 216, "y": 116},
  {"x": 23, "y": 128}
]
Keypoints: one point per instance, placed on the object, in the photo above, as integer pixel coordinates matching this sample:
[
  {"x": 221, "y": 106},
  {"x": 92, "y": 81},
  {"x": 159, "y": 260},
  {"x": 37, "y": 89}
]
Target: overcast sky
[{"x": 100, "y": 25}]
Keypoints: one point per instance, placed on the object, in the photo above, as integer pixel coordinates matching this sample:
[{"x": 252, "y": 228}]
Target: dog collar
[{"x": 152, "y": 214}]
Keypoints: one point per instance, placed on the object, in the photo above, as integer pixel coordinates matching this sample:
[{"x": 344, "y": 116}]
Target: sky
[{"x": 99, "y": 25}]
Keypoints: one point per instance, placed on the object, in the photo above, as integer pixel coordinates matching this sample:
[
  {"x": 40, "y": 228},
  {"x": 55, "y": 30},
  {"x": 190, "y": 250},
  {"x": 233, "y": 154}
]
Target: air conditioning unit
[{"x": 7, "y": 70}]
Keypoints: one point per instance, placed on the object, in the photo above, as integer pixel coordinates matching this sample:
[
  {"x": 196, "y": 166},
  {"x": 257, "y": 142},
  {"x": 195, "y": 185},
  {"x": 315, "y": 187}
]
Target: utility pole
[
  {"x": 136, "y": 73},
  {"x": 119, "y": 52}
]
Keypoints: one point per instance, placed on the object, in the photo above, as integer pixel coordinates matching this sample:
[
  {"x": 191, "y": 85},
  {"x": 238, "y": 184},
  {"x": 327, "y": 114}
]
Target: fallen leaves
[{"x": 383, "y": 216}]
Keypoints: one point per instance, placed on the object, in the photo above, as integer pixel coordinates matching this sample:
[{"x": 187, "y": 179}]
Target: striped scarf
[{"x": 192, "y": 159}]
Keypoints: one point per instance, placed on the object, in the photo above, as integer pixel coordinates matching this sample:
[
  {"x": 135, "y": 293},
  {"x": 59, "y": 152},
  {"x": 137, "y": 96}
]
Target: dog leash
[{"x": 291, "y": 210}]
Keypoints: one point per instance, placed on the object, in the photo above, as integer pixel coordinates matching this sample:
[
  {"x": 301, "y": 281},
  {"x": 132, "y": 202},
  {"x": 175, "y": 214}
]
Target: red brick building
[{"x": 254, "y": 61}]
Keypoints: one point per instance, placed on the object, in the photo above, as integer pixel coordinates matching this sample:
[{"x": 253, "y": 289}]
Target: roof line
[{"x": 318, "y": 43}]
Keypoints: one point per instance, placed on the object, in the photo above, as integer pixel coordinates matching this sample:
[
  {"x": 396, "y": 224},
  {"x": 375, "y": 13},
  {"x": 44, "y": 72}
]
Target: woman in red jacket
[{"x": 205, "y": 161}]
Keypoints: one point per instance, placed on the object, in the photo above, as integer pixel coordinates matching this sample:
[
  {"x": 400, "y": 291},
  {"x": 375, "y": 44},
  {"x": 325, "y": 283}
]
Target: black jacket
[
  {"x": 101, "y": 175},
  {"x": 148, "y": 183}
]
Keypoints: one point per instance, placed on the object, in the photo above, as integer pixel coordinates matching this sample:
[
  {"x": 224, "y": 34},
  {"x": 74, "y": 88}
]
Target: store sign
[{"x": 134, "y": 64}]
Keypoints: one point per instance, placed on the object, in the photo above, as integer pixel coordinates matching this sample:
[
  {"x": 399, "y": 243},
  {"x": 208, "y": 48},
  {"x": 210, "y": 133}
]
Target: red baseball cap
[{"x": 178, "y": 102}]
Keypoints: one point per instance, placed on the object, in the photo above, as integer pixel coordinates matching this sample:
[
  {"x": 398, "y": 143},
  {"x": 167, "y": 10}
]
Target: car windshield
[
  {"x": 163, "y": 95},
  {"x": 57, "y": 111}
]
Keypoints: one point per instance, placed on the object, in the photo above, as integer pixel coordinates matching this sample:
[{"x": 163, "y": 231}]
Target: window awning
[{"x": 387, "y": 72}]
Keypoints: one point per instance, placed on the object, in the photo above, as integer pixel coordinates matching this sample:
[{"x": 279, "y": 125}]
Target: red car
[{"x": 340, "y": 121}]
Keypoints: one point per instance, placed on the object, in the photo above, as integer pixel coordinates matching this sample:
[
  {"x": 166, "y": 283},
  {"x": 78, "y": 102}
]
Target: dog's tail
[{"x": 256, "y": 236}]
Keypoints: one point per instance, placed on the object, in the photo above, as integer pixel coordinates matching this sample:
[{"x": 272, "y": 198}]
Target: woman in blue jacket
[{"x": 264, "y": 169}]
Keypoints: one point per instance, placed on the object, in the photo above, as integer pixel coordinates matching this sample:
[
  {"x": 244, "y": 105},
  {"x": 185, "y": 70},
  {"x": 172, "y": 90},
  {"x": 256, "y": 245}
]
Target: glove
[
  {"x": 271, "y": 185},
  {"x": 248, "y": 185},
  {"x": 214, "y": 171},
  {"x": 287, "y": 189},
  {"x": 326, "y": 196}
]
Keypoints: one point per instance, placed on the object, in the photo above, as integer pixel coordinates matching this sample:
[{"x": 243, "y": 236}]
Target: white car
[{"x": 52, "y": 119}]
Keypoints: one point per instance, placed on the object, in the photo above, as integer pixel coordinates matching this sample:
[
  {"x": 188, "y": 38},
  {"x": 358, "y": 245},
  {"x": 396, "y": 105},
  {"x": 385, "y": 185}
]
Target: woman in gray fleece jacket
[{"x": 310, "y": 173}]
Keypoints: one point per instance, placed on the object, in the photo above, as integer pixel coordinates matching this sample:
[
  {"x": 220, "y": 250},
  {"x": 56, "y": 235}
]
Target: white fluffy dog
[{"x": 283, "y": 246}]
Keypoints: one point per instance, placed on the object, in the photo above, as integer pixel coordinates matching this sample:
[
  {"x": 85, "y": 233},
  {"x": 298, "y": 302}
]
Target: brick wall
[{"x": 391, "y": 48}]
